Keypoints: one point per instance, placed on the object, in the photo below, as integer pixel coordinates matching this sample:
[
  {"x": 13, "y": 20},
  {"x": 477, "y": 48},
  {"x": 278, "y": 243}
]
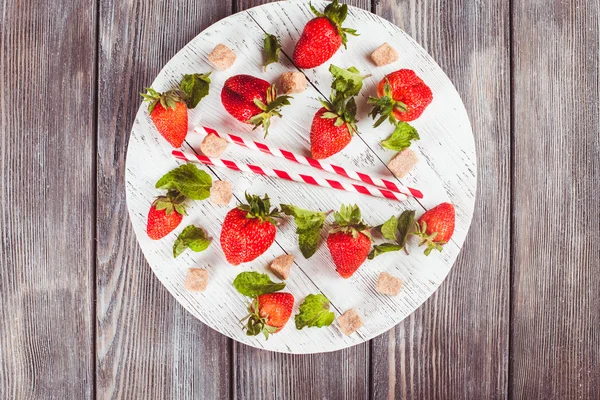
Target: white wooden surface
[{"x": 447, "y": 172}]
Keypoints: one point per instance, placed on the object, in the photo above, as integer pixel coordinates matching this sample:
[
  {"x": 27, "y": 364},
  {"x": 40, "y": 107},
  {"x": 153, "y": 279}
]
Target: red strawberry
[
  {"x": 252, "y": 100},
  {"x": 248, "y": 230},
  {"x": 168, "y": 111},
  {"x": 326, "y": 138},
  {"x": 269, "y": 313},
  {"x": 436, "y": 226},
  {"x": 166, "y": 213},
  {"x": 403, "y": 96},
  {"x": 334, "y": 124},
  {"x": 349, "y": 242},
  {"x": 322, "y": 36}
]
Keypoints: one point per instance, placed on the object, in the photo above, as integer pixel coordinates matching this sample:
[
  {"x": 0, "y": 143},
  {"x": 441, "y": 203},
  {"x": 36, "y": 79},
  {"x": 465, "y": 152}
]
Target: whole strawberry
[
  {"x": 349, "y": 241},
  {"x": 269, "y": 313},
  {"x": 252, "y": 100},
  {"x": 334, "y": 124},
  {"x": 166, "y": 213},
  {"x": 403, "y": 96},
  {"x": 436, "y": 226},
  {"x": 168, "y": 111},
  {"x": 327, "y": 138},
  {"x": 322, "y": 36},
  {"x": 248, "y": 230}
]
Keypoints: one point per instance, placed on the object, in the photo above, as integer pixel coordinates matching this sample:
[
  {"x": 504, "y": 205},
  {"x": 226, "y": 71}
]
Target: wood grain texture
[
  {"x": 456, "y": 344},
  {"x": 555, "y": 343},
  {"x": 47, "y": 197},
  {"x": 343, "y": 374},
  {"x": 148, "y": 346}
]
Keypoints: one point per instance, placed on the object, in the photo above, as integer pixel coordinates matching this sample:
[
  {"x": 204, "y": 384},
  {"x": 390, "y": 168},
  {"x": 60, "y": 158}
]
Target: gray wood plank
[
  {"x": 265, "y": 375},
  {"x": 555, "y": 342},
  {"x": 46, "y": 220},
  {"x": 148, "y": 346},
  {"x": 456, "y": 344}
]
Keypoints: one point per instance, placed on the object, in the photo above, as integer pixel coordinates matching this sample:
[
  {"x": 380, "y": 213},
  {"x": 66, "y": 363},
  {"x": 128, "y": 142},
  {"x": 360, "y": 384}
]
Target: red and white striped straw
[
  {"x": 358, "y": 176},
  {"x": 290, "y": 176}
]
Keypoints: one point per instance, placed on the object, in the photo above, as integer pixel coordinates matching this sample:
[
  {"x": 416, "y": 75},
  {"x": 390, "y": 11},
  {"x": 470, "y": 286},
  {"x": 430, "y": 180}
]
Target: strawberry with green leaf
[
  {"x": 168, "y": 110},
  {"x": 402, "y": 96},
  {"x": 334, "y": 124},
  {"x": 435, "y": 227},
  {"x": 349, "y": 241},
  {"x": 252, "y": 100},
  {"x": 166, "y": 213},
  {"x": 269, "y": 310},
  {"x": 249, "y": 229},
  {"x": 308, "y": 227},
  {"x": 322, "y": 36},
  {"x": 314, "y": 312},
  {"x": 181, "y": 183},
  {"x": 268, "y": 313}
]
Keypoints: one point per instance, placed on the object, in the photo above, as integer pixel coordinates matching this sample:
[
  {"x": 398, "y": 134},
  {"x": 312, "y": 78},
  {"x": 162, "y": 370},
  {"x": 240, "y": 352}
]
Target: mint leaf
[
  {"x": 406, "y": 224},
  {"x": 308, "y": 241},
  {"x": 347, "y": 82},
  {"x": 272, "y": 49},
  {"x": 401, "y": 138},
  {"x": 188, "y": 180},
  {"x": 195, "y": 87},
  {"x": 191, "y": 237},
  {"x": 388, "y": 229},
  {"x": 383, "y": 248},
  {"x": 309, "y": 224},
  {"x": 314, "y": 311},
  {"x": 253, "y": 284}
]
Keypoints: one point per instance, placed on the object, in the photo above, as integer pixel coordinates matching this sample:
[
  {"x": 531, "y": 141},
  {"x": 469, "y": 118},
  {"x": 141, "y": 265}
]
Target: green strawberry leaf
[
  {"x": 191, "y": 237},
  {"x": 309, "y": 224},
  {"x": 346, "y": 81},
  {"x": 253, "y": 284},
  {"x": 406, "y": 225},
  {"x": 383, "y": 248},
  {"x": 314, "y": 312},
  {"x": 195, "y": 88},
  {"x": 388, "y": 229},
  {"x": 401, "y": 138},
  {"x": 272, "y": 49},
  {"x": 314, "y": 10},
  {"x": 188, "y": 180}
]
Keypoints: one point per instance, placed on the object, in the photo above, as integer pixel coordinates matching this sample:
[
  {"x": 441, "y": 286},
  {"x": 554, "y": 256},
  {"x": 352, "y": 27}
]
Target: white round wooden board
[{"x": 446, "y": 172}]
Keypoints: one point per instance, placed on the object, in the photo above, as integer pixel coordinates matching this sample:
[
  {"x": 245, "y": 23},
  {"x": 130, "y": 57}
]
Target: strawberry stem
[
  {"x": 272, "y": 108},
  {"x": 260, "y": 208}
]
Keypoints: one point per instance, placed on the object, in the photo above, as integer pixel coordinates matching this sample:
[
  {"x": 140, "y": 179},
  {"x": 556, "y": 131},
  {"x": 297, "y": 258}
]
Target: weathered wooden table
[{"x": 82, "y": 315}]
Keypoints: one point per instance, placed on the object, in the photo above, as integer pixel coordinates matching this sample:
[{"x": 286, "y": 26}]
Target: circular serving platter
[{"x": 446, "y": 172}]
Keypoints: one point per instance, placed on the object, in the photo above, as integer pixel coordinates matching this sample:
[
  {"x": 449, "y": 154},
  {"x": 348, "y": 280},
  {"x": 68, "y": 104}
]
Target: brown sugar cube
[
  {"x": 220, "y": 193},
  {"x": 213, "y": 145},
  {"x": 196, "y": 280},
  {"x": 281, "y": 265},
  {"x": 403, "y": 162},
  {"x": 222, "y": 57},
  {"x": 385, "y": 54},
  {"x": 292, "y": 82},
  {"x": 388, "y": 284},
  {"x": 349, "y": 322}
]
